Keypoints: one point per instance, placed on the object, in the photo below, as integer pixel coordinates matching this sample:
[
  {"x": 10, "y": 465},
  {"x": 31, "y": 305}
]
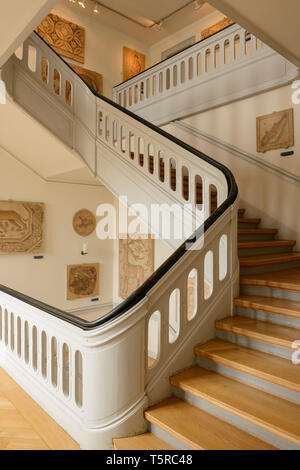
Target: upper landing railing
[{"x": 211, "y": 72}]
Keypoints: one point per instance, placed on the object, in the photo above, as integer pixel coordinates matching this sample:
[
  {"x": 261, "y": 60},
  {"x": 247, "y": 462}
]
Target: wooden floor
[{"x": 24, "y": 425}]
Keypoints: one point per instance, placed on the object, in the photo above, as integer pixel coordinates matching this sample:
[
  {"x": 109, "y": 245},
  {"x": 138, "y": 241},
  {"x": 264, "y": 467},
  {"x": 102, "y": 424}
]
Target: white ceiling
[{"x": 146, "y": 12}]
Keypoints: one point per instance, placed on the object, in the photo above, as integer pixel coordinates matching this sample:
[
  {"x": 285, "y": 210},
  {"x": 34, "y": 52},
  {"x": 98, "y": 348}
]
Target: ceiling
[
  {"x": 146, "y": 12},
  {"x": 275, "y": 22}
]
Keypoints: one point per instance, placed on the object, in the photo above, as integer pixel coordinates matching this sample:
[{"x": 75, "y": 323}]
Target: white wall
[
  {"x": 104, "y": 45},
  {"x": 46, "y": 279},
  {"x": 263, "y": 193},
  {"x": 236, "y": 124},
  {"x": 193, "y": 29}
]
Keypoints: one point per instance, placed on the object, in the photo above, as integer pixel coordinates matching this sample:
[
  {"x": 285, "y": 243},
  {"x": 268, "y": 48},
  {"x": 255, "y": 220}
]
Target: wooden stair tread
[
  {"x": 290, "y": 308},
  {"x": 266, "y": 332},
  {"x": 275, "y": 258},
  {"x": 287, "y": 279},
  {"x": 274, "y": 414},
  {"x": 257, "y": 231},
  {"x": 198, "y": 429},
  {"x": 266, "y": 244},
  {"x": 259, "y": 364},
  {"x": 241, "y": 211},
  {"x": 147, "y": 441},
  {"x": 244, "y": 220}
]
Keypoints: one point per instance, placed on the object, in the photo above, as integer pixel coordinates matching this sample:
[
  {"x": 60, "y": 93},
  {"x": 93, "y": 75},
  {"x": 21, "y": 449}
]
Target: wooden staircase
[{"x": 244, "y": 391}]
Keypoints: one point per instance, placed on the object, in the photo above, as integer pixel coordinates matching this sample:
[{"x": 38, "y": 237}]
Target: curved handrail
[{"x": 142, "y": 291}]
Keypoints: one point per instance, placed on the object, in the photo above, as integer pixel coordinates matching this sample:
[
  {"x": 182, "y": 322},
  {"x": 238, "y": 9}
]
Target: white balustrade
[
  {"x": 230, "y": 64},
  {"x": 96, "y": 378}
]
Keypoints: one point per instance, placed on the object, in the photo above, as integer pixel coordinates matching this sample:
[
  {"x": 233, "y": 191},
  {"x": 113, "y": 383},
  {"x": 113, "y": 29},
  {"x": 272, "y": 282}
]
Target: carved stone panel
[
  {"x": 21, "y": 226},
  {"x": 65, "y": 37},
  {"x": 136, "y": 264},
  {"x": 133, "y": 63},
  {"x": 82, "y": 281},
  {"x": 275, "y": 131}
]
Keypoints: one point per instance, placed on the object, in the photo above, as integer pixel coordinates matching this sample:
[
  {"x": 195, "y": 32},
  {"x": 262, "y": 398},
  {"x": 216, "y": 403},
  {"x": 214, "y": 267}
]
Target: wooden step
[
  {"x": 272, "y": 413},
  {"x": 278, "y": 335},
  {"x": 147, "y": 441},
  {"x": 285, "y": 307},
  {"x": 198, "y": 429},
  {"x": 288, "y": 279},
  {"x": 273, "y": 369},
  {"x": 257, "y": 231},
  {"x": 241, "y": 212},
  {"x": 265, "y": 260},
  {"x": 266, "y": 244},
  {"x": 244, "y": 220}
]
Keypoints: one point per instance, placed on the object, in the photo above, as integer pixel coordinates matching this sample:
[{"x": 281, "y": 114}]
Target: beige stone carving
[
  {"x": 82, "y": 281},
  {"x": 206, "y": 33},
  {"x": 21, "y": 226},
  {"x": 275, "y": 131},
  {"x": 136, "y": 264},
  {"x": 65, "y": 37},
  {"x": 133, "y": 63},
  {"x": 84, "y": 222},
  {"x": 91, "y": 78}
]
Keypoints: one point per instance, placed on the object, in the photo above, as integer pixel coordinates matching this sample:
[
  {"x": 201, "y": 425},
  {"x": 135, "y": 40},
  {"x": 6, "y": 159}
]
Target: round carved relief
[{"x": 84, "y": 222}]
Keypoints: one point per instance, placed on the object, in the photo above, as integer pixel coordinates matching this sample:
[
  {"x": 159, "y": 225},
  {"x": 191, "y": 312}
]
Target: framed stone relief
[
  {"x": 133, "y": 63},
  {"x": 275, "y": 131},
  {"x": 206, "y": 33},
  {"x": 84, "y": 222},
  {"x": 91, "y": 78},
  {"x": 21, "y": 227},
  {"x": 136, "y": 264},
  {"x": 82, "y": 281},
  {"x": 65, "y": 37}
]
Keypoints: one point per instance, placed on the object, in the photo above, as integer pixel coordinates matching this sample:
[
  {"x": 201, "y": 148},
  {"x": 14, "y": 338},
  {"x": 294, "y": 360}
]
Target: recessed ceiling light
[
  {"x": 82, "y": 3},
  {"x": 96, "y": 8},
  {"x": 197, "y": 5}
]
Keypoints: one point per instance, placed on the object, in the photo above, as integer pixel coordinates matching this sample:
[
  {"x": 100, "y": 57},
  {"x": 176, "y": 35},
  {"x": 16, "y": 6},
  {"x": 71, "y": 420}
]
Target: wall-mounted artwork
[
  {"x": 133, "y": 63},
  {"x": 65, "y": 37},
  {"x": 206, "y": 33},
  {"x": 84, "y": 222},
  {"x": 82, "y": 281},
  {"x": 136, "y": 264},
  {"x": 21, "y": 226},
  {"x": 91, "y": 78},
  {"x": 275, "y": 131}
]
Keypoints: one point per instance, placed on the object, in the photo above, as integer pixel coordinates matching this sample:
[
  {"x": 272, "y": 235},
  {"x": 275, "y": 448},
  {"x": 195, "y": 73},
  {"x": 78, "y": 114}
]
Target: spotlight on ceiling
[
  {"x": 82, "y": 3},
  {"x": 198, "y": 5},
  {"x": 72, "y": 1},
  {"x": 96, "y": 8},
  {"x": 159, "y": 25}
]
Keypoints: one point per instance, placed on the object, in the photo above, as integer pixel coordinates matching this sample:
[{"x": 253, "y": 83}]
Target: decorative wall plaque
[
  {"x": 136, "y": 264},
  {"x": 275, "y": 131},
  {"x": 91, "y": 78},
  {"x": 82, "y": 281},
  {"x": 84, "y": 222},
  {"x": 65, "y": 37},
  {"x": 21, "y": 226},
  {"x": 133, "y": 63},
  {"x": 206, "y": 33}
]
